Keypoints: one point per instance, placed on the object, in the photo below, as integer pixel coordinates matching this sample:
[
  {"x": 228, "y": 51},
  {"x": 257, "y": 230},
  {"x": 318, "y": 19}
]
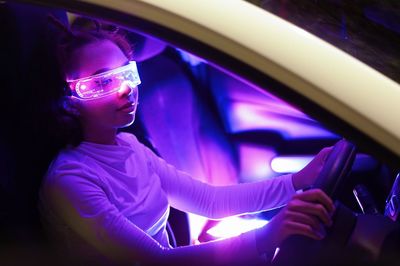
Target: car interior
[{"x": 206, "y": 121}]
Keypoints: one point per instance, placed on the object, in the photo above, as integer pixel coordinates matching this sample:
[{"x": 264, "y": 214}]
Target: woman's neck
[{"x": 101, "y": 136}]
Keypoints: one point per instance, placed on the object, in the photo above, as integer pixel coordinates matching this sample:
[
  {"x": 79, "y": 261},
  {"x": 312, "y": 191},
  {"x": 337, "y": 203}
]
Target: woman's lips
[{"x": 127, "y": 108}]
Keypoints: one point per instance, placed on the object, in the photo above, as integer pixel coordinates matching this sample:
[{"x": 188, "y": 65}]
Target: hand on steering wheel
[
  {"x": 306, "y": 177},
  {"x": 301, "y": 216}
]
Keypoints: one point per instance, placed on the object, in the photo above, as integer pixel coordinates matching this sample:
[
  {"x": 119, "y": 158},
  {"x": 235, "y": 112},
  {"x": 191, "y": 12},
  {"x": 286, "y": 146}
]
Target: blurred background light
[
  {"x": 196, "y": 224},
  {"x": 254, "y": 162},
  {"x": 234, "y": 226},
  {"x": 289, "y": 164}
]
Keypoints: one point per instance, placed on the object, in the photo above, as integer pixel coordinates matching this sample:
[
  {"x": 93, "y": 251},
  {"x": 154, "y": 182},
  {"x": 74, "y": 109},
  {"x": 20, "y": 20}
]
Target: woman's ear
[{"x": 70, "y": 105}]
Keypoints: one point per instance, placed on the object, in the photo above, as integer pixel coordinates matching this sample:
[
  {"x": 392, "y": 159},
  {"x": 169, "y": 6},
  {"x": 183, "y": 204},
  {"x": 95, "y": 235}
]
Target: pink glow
[
  {"x": 274, "y": 116},
  {"x": 255, "y": 162}
]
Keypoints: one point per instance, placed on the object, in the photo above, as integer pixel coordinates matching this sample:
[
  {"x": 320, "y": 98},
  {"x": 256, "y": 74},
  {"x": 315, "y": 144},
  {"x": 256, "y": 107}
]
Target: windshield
[{"x": 368, "y": 30}]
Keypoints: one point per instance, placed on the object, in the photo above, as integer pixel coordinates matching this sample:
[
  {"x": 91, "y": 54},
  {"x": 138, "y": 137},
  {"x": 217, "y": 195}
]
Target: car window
[{"x": 368, "y": 30}]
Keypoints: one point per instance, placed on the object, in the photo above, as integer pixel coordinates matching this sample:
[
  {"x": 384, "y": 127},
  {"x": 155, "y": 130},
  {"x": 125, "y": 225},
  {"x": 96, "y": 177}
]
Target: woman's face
[{"x": 109, "y": 112}]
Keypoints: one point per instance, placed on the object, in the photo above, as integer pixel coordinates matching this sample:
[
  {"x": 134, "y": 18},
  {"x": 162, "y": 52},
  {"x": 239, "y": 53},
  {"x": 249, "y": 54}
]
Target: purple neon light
[
  {"x": 254, "y": 162},
  {"x": 245, "y": 107},
  {"x": 244, "y": 116}
]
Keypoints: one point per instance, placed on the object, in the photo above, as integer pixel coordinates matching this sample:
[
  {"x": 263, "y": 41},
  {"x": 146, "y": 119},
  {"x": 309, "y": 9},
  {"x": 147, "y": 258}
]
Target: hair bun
[
  {"x": 90, "y": 24},
  {"x": 64, "y": 29}
]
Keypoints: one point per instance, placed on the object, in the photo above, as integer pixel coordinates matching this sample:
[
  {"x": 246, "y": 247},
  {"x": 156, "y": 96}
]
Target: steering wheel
[
  {"x": 296, "y": 250},
  {"x": 336, "y": 168}
]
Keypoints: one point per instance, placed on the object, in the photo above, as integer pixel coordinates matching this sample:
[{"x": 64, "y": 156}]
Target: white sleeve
[
  {"x": 191, "y": 195},
  {"x": 77, "y": 198}
]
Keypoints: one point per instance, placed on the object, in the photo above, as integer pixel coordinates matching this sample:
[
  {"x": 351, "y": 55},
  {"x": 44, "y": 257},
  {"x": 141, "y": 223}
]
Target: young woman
[{"x": 106, "y": 197}]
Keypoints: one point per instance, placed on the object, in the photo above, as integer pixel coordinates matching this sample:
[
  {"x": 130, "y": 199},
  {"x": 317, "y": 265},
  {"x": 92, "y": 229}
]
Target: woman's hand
[
  {"x": 306, "y": 214},
  {"x": 306, "y": 176}
]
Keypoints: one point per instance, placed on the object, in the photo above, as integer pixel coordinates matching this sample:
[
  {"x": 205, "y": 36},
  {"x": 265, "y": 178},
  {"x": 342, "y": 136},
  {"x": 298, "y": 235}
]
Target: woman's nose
[{"x": 125, "y": 90}]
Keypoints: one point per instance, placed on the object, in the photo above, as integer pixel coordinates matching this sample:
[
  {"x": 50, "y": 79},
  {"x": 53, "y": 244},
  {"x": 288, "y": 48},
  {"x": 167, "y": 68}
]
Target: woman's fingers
[
  {"x": 314, "y": 209},
  {"x": 295, "y": 228},
  {"x": 305, "y": 219},
  {"x": 307, "y": 176},
  {"x": 313, "y": 202},
  {"x": 301, "y": 216},
  {"x": 323, "y": 154},
  {"x": 316, "y": 196}
]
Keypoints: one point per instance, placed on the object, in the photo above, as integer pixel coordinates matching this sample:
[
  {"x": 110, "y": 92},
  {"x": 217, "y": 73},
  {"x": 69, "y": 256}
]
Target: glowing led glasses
[{"x": 103, "y": 84}]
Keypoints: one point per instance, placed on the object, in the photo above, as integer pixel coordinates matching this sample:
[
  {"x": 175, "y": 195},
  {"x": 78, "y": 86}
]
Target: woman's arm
[
  {"x": 84, "y": 207},
  {"x": 191, "y": 195}
]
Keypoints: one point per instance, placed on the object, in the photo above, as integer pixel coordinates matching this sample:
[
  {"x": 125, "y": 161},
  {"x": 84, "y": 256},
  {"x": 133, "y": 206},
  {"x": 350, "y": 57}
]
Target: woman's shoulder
[
  {"x": 67, "y": 165},
  {"x": 69, "y": 154},
  {"x": 67, "y": 159}
]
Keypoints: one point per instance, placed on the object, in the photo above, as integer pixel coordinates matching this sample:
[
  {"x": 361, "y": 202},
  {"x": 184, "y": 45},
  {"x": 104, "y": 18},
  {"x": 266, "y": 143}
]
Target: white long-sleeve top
[{"x": 113, "y": 201}]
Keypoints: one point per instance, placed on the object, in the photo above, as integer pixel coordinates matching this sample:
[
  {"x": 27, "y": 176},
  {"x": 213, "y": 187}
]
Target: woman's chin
[{"x": 127, "y": 122}]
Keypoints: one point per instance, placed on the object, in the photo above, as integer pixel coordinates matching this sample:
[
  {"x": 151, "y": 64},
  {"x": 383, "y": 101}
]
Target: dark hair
[
  {"x": 85, "y": 31},
  {"x": 82, "y": 32}
]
